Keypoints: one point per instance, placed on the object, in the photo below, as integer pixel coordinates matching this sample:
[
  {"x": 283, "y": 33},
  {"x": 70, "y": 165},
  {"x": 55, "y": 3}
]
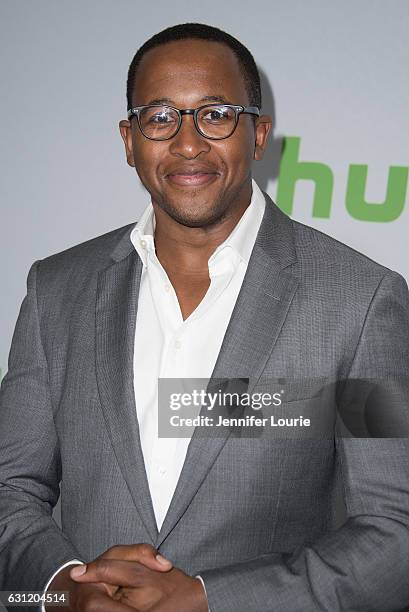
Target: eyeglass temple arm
[{"x": 252, "y": 110}]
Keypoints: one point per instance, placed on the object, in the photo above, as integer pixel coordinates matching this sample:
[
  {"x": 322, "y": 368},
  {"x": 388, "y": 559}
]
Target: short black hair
[{"x": 206, "y": 32}]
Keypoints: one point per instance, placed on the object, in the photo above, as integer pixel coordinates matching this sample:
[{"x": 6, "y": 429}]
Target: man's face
[{"x": 189, "y": 74}]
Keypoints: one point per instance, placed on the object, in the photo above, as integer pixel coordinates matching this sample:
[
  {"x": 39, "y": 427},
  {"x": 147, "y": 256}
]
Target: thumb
[
  {"x": 165, "y": 563},
  {"x": 145, "y": 554},
  {"x": 148, "y": 556}
]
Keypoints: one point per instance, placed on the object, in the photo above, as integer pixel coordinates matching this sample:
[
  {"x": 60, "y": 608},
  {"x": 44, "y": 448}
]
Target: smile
[{"x": 198, "y": 178}]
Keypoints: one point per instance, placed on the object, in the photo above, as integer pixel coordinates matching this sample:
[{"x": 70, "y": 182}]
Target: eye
[
  {"x": 218, "y": 114},
  {"x": 162, "y": 117}
]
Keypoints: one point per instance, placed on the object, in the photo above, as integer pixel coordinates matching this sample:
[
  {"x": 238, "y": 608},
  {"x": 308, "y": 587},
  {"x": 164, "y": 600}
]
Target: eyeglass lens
[{"x": 162, "y": 122}]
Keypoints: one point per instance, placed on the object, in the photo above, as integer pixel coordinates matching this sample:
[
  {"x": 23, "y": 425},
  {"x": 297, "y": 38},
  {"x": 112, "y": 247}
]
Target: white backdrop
[{"x": 335, "y": 75}]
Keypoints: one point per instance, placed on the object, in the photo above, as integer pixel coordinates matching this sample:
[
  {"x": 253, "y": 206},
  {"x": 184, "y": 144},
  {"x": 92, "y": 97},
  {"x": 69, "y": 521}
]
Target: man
[{"x": 214, "y": 281}]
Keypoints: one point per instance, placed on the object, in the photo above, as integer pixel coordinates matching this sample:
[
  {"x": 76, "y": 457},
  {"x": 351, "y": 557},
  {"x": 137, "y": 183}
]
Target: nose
[{"x": 188, "y": 143}]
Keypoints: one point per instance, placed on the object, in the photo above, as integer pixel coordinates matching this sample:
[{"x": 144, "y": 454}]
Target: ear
[
  {"x": 126, "y": 134},
  {"x": 264, "y": 125}
]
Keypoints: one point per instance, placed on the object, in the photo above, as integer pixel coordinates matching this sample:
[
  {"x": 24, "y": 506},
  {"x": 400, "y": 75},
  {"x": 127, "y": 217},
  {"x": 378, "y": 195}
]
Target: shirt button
[
  {"x": 162, "y": 471},
  {"x": 178, "y": 344},
  {"x": 143, "y": 244},
  {"x": 167, "y": 288}
]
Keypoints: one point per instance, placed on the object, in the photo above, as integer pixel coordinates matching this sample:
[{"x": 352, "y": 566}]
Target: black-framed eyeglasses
[{"x": 214, "y": 121}]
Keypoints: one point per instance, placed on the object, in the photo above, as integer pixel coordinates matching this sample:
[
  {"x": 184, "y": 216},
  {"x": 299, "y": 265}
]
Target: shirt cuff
[
  {"x": 204, "y": 588},
  {"x": 72, "y": 562}
]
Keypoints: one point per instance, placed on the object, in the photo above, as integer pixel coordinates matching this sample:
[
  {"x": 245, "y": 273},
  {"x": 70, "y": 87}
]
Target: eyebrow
[{"x": 171, "y": 102}]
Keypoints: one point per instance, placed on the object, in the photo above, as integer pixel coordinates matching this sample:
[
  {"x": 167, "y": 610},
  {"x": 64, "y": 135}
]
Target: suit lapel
[
  {"x": 259, "y": 313},
  {"x": 116, "y": 308}
]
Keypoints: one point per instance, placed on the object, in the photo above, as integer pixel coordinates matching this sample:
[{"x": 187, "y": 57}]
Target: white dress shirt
[{"x": 166, "y": 346}]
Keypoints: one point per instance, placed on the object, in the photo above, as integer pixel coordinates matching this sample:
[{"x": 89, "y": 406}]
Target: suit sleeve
[
  {"x": 32, "y": 546},
  {"x": 364, "y": 565}
]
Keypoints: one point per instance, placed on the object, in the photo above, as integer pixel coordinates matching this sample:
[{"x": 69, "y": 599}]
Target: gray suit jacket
[{"x": 253, "y": 516}]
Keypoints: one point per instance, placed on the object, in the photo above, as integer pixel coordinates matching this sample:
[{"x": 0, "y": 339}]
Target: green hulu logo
[{"x": 293, "y": 170}]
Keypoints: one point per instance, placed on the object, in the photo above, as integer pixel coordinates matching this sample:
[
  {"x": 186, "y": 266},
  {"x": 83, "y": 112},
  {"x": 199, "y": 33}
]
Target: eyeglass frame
[{"x": 238, "y": 109}]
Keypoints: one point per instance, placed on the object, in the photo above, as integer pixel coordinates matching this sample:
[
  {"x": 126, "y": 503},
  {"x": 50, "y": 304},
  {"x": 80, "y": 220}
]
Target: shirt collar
[
  {"x": 244, "y": 234},
  {"x": 142, "y": 235},
  {"x": 241, "y": 240}
]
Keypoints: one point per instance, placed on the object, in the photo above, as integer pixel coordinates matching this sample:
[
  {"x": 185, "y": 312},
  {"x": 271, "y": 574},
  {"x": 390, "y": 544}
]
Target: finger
[
  {"x": 111, "y": 571},
  {"x": 111, "y": 589},
  {"x": 94, "y": 600},
  {"x": 145, "y": 554},
  {"x": 141, "y": 598}
]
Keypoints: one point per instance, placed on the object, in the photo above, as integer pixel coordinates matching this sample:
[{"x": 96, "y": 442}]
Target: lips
[{"x": 192, "y": 176}]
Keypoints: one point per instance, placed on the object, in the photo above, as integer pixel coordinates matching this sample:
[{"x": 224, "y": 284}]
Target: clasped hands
[{"x": 135, "y": 577}]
